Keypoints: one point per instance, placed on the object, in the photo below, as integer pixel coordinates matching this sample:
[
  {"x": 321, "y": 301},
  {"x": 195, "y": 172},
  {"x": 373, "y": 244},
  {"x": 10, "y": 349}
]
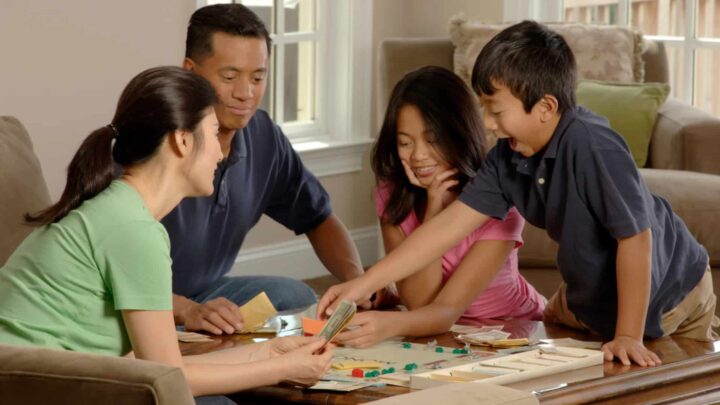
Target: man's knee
[{"x": 287, "y": 293}]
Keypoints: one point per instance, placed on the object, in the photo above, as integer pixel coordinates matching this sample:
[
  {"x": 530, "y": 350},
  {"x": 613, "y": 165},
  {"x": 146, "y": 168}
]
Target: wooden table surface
[{"x": 690, "y": 373}]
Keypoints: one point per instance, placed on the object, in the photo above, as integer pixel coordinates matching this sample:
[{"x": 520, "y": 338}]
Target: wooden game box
[{"x": 512, "y": 368}]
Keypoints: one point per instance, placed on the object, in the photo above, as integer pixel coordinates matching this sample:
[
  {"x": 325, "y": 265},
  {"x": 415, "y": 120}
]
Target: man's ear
[
  {"x": 181, "y": 142},
  {"x": 188, "y": 64},
  {"x": 548, "y": 107}
]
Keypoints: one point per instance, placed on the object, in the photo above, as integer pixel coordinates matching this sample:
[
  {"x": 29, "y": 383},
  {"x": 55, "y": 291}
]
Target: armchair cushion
[
  {"x": 31, "y": 375},
  {"x": 631, "y": 109},
  {"x": 22, "y": 187},
  {"x": 602, "y": 52}
]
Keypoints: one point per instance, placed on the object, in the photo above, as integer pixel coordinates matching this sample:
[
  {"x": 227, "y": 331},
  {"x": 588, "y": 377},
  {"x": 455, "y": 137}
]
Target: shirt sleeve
[
  {"x": 136, "y": 265},
  {"x": 299, "y": 201},
  {"x": 484, "y": 192},
  {"x": 508, "y": 229},
  {"x": 381, "y": 195},
  {"x": 612, "y": 187}
]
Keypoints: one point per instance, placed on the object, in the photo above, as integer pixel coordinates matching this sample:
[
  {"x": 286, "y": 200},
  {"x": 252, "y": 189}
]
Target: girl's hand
[
  {"x": 303, "y": 367},
  {"x": 370, "y": 328},
  {"x": 438, "y": 191}
]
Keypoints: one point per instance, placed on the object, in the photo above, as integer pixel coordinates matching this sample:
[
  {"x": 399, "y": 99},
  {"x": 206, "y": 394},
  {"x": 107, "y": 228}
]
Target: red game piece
[{"x": 357, "y": 372}]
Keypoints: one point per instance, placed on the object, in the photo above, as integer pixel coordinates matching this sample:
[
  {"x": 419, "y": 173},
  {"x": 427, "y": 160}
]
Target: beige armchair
[
  {"x": 683, "y": 164},
  {"x": 42, "y": 376}
]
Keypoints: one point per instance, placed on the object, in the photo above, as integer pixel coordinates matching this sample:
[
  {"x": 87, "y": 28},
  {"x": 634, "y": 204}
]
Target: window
[
  {"x": 689, "y": 29},
  {"x": 317, "y": 69}
]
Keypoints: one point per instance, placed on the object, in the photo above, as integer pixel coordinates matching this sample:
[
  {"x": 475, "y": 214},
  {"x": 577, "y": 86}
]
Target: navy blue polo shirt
[
  {"x": 584, "y": 189},
  {"x": 261, "y": 175}
]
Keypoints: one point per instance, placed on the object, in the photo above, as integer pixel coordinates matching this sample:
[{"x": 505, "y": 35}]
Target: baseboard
[{"x": 297, "y": 258}]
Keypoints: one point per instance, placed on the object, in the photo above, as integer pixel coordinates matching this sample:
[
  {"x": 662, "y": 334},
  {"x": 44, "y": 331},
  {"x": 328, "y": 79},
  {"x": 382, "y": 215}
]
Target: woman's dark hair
[
  {"x": 232, "y": 19},
  {"x": 531, "y": 60},
  {"x": 155, "y": 103},
  {"x": 450, "y": 112}
]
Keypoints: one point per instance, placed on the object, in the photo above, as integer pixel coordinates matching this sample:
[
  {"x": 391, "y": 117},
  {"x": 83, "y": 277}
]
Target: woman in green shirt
[{"x": 95, "y": 275}]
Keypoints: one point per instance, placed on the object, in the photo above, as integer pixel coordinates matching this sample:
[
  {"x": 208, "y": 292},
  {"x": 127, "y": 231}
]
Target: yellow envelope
[{"x": 256, "y": 312}]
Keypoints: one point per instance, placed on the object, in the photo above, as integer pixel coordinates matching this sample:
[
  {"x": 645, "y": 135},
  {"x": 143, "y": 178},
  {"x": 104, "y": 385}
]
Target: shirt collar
[
  {"x": 238, "y": 146},
  {"x": 552, "y": 147}
]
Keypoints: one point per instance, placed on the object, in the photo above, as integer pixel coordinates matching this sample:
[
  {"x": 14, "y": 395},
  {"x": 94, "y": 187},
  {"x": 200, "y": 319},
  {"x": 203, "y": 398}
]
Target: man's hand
[
  {"x": 628, "y": 349},
  {"x": 215, "y": 316},
  {"x": 370, "y": 328},
  {"x": 353, "y": 290}
]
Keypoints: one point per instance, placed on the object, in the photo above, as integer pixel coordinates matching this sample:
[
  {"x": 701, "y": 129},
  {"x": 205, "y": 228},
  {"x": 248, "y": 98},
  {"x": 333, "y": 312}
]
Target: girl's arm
[
  {"x": 420, "y": 288},
  {"x": 425, "y": 244},
  {"x": 476, "y": 271},
  {"x": 152, "y": 334}
]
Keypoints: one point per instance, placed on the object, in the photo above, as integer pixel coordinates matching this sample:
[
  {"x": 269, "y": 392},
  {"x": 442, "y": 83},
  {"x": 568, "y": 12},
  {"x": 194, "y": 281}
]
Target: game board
[{"x": 397, "y": 361}]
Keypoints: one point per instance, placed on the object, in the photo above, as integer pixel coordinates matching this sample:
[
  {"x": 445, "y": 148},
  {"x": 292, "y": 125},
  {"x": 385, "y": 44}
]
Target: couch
[
  {"x": 684, "y": 153},
  {"x": 41, "y": 376}
]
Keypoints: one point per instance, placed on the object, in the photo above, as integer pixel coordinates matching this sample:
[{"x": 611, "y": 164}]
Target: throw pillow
[
  {"x": 602, "y": 52},
  {"x": 631, "y": 109}
]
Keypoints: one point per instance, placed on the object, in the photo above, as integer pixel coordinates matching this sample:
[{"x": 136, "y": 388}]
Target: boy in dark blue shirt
[{"x": 630, "y": 267}]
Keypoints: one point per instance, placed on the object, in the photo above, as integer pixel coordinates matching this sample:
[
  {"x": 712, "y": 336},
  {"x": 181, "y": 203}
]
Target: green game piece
[
  {"x": 391, "y": 370},
  {"x": 457, "y": 351},
  {"x": 439, "y": 349},
  {"x": 407, "y": 345},
  {"x": 410, "y": 366}
]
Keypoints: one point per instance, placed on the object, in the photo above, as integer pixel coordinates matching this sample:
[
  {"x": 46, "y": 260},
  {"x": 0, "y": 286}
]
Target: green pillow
[{"x": 631, "y": 109}]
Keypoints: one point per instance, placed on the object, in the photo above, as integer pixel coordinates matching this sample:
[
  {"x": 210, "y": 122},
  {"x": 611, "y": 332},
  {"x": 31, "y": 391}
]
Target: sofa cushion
[
  {"x": 631, "y": 109},
  {"x": 22, "y": 187},
  {"x": 44, "y": 376},
  {"x": 602, "y": 52},
  {"x": 693, "y": 197}
]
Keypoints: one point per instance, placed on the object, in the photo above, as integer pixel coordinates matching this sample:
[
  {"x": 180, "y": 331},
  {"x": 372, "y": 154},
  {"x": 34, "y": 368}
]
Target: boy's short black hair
[
  {"x": 232, "y": 19},
  {"x": 531, "y": 60}
]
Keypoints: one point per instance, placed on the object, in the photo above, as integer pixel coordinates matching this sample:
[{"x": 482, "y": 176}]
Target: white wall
[{"x": 64, "y": 64}]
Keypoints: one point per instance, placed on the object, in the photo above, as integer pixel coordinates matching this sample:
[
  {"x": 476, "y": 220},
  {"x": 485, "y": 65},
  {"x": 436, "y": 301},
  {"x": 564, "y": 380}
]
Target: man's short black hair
[
  {"x": 531, "y": 60},
  {"x": 232, "y": 19}
]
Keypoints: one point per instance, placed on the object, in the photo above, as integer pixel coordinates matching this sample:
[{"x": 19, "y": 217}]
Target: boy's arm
[
  {"x": 426, "y": 244},
  {"x": 633, "y": 267}
]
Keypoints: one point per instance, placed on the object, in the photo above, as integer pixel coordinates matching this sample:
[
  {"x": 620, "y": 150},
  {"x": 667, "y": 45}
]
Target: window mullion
[
  {"x": 689, "y": 51},
  {"x": 279, "y": 70},
  {"x": 623, "y": 13}
]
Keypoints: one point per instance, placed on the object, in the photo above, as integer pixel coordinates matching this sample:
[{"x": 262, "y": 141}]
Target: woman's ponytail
[{"x": 89, "y": 173}]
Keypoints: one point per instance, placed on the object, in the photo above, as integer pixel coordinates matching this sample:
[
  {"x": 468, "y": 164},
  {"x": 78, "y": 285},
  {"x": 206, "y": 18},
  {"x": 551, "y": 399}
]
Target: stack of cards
[{"x": 338, "y": 320}]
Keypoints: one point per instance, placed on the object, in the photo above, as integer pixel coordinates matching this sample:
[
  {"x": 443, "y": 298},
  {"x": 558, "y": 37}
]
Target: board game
[{"x": 394, "y": 362}]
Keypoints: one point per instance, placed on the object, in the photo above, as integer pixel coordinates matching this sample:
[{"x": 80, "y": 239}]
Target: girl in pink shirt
[{"x": 430, "y": 145}]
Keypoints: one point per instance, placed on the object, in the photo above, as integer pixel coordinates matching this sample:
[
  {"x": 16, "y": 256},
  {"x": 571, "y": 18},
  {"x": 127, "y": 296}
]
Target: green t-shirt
[{"x": 66, "y": 283}]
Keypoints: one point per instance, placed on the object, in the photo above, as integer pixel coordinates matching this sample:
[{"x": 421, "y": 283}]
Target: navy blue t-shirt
[
  {"x": 261, "y": 175},
  {"x": 585, "y": 190}
]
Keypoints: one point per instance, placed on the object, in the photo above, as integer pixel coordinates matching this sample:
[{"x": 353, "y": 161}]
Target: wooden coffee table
[{"x": 690, "y": 373}]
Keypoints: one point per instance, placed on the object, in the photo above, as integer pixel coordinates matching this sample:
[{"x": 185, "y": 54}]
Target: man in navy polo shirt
[
  {"x": 261, "y": 174},
  {"x": 631, "y": 269}
]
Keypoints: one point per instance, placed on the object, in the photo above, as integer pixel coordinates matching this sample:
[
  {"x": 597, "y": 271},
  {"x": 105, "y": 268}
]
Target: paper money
[{"x": 342, "y": 315}]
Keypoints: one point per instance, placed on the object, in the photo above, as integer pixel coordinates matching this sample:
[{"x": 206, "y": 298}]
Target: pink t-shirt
[{"x": 509, "y": 295}]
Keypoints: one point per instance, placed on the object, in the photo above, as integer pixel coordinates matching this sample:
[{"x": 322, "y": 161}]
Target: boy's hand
[
  {"x": 626, "y": 348},
  {"x": 353, "y": 290}
]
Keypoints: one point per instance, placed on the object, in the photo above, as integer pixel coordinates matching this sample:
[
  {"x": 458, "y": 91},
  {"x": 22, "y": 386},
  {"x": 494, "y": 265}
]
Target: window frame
[
  {"x": 689, "y": 43},
  {"x": 336, "y": 141}
]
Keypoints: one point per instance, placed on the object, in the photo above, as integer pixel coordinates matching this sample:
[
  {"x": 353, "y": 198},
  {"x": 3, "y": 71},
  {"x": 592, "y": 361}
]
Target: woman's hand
[
  {"x": 370, "y": 328},
  {"x": 283, "y": 345},
  {"x": 303, "y": 367}
]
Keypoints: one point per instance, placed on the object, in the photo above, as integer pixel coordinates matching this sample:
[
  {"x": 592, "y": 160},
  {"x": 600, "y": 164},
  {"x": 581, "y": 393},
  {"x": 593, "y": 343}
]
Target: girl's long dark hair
[
  {"x": 155, "y": 103},
  {"x": 450, "y": 112}
]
